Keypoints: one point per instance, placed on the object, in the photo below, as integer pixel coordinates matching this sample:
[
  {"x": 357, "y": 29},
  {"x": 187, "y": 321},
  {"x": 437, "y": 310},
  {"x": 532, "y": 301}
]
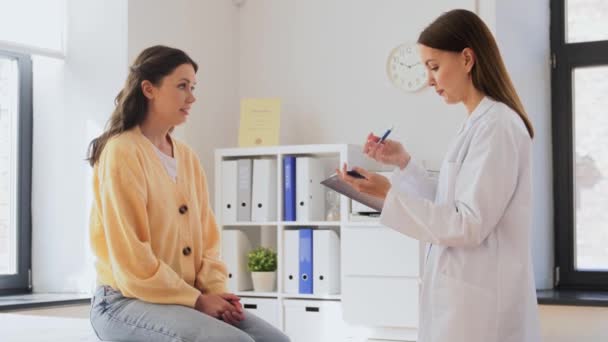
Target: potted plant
[{"x": 262, "y": 263}]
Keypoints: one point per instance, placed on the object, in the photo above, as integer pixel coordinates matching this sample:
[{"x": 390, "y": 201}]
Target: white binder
[
  {"x": 264, "y": 192},
  {"x": 310, "y": 198},
  {"x": 229, "y": 191},
  {"x": 326, "y": 262},
  {"x": 291, "y": 261},
  {"x": 243, "y": 212},
  {"x": 235, "y": 246}
]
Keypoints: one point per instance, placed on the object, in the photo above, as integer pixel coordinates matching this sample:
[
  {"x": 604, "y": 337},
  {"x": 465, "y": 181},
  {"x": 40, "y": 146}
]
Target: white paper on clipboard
[{"x": 337, "y": 184}]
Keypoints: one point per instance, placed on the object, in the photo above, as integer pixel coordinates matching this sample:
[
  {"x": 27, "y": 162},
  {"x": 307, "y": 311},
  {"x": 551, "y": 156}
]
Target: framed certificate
[{"x": 260, "y": 122}]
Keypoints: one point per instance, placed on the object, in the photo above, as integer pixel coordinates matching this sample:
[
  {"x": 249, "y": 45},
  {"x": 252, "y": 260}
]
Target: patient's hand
[
  {"x": 218, "y": 306},
  {"x": 235, "y": 316},
  {"x": 373, "y": 183}
]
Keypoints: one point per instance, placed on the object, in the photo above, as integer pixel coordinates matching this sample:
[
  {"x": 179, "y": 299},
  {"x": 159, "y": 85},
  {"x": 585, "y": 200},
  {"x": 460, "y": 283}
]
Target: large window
[
  {"x": 15, "y": 171},
  {"x": 579, "y": 43}
]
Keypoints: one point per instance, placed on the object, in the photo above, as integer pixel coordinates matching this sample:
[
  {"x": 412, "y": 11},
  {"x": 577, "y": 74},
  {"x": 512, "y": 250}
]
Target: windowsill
[
  {"x": 572, "y": 297},
  {"x": 38, "y": 300},
  {"x": 545, "y": 297}
]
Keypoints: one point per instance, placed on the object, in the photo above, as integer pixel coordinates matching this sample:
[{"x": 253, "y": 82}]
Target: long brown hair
[
  {"x": 459, "y": 29},
  {"x": 152, "y": 64}
]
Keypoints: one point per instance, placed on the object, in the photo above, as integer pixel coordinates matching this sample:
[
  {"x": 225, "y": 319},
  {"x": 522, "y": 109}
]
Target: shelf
[
  {"x": 311, "y": 223},
  {"x": 257, "y": 294},
  {"x": 363, "y": 224},
  {"x": 287, "y": 295},
  {"x": 311, "y": 296},
  {"x": 248, "y": 224},
  {"x": 327, "y": 149},
  {"x": 247, "y": 152}
]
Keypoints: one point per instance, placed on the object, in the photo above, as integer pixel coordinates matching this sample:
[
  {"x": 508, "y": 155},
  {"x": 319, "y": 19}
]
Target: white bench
[{"x": 28, "y": 328}]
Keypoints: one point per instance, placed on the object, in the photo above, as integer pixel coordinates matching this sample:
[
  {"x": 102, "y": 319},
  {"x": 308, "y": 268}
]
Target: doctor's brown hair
[
  {"x": 152, "y": 64},
  {"x": 459, "y": 29}
]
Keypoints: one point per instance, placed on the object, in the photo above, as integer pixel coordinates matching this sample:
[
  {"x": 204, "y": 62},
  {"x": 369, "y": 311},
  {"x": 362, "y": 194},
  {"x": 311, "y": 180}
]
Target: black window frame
[
  {"x": 565, "y": 58},
  {"x": 21, "y": 281}
]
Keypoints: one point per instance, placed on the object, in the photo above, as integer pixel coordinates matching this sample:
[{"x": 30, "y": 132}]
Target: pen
[{"x": 388, "y": 131}]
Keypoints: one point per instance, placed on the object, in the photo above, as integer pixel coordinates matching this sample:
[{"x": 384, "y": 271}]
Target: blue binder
[
  {"x": 306, "y": 274},
  {"x": 289, "y": 188}
]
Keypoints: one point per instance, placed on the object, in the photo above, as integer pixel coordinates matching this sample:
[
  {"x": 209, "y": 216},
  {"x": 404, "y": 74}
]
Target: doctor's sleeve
[
  {"x": 483, "y": 187},
  {"x": 414, "y": 180}
]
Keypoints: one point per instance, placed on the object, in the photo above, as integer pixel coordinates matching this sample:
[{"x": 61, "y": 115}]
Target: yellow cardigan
[{"x": 155, "y": 239}]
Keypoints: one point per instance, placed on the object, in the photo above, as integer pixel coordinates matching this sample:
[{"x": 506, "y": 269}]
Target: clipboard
[{"x": 337, "y": 184}]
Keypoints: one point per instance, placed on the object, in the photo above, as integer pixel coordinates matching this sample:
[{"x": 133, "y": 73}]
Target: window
[
  {"x": 579, "y": 44},
  {"x": 15, "y": 171}
]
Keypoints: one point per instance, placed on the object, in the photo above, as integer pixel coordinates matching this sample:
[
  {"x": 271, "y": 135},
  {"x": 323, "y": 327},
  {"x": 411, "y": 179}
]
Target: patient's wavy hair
[
  {"x": 152, "y": 64},
  {"x": 459, "y": 29}
]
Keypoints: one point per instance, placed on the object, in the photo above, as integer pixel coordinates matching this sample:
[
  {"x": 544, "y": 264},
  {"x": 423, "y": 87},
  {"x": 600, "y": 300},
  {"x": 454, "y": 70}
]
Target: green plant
[{"x": 262, "y": 260}]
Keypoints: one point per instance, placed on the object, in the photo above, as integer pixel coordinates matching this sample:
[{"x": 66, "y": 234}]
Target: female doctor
[{"x": 478, "y": 284}]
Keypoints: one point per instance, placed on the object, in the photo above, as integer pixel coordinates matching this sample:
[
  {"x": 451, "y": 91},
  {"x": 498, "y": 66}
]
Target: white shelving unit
[{"x": 352, "y": 283}]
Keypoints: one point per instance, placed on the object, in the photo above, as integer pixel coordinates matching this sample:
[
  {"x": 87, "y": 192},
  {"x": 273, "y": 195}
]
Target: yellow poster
[{"x": 260, "y": 122}]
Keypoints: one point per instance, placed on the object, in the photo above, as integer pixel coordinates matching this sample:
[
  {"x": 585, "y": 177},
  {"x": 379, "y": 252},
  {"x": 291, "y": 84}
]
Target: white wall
[
  {"x": 524, "y": 40},
  {"x": 326, "y": 60},
  {"x": 72, "y": 100},
  {"x": 207, "y": 31}
]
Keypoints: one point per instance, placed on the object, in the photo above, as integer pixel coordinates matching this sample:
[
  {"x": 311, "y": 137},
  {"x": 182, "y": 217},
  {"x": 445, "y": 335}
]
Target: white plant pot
[{"x": 263, "y": 281}]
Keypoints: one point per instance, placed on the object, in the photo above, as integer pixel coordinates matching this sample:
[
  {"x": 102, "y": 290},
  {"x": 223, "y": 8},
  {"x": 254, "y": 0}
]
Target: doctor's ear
[{"x": 469, "y": 59}]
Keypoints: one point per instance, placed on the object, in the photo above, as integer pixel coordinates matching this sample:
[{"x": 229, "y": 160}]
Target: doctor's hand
[
  {"x": 388, "y": 152},
  {"x": 373, "y": 184}
]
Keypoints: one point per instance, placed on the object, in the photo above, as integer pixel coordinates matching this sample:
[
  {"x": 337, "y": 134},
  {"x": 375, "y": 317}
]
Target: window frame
[
  {"x": 21, "y": 281},
  {"x": 565, "y": 58}
]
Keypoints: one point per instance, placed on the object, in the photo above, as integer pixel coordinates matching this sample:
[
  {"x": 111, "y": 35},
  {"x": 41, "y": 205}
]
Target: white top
[
  {"x": 478, "y": 284},
  {"x": 169, "y": 162}
]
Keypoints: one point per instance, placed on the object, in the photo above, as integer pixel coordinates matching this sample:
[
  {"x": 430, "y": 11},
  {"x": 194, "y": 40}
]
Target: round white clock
[{"x": 404, "y": 68}]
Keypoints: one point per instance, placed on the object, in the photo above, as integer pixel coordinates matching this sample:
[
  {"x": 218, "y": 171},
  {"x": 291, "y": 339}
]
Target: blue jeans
[{"x": 117, "y": 318}]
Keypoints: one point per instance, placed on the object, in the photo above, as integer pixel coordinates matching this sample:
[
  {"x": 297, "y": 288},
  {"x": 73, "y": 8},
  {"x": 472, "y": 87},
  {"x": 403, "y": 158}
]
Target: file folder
[
  {"x": 229, "y": 179},
  {"x": 235, "y": 246},
  {"x": 291, "y": 261},
  {"x": 264, "y": 192},
  {"x": 305, "y": 261},
  {"x": 243, "y": 212},
  {"x": 289, "y": 188},
  {"x": 310, "y": 198},
  {"x": 326, "y": 262}
]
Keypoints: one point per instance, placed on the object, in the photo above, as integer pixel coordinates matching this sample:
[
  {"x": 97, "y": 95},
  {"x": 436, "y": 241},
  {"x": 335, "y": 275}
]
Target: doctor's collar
[{"x": 484, "y": 105}]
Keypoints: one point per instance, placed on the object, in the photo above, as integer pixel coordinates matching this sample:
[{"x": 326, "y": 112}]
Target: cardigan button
[
  {"x": 183, "y": 209},
  {"x": 187, "y": 250}
]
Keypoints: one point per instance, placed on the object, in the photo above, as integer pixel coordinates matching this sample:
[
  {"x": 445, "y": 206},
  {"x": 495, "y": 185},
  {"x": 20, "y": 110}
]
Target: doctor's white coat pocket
[{"x": 464, "y": 311}]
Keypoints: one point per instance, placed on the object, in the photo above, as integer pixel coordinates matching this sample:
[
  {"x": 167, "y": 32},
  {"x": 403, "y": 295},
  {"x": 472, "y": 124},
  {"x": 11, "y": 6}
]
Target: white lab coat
[{"x": 478, "y": 284}]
